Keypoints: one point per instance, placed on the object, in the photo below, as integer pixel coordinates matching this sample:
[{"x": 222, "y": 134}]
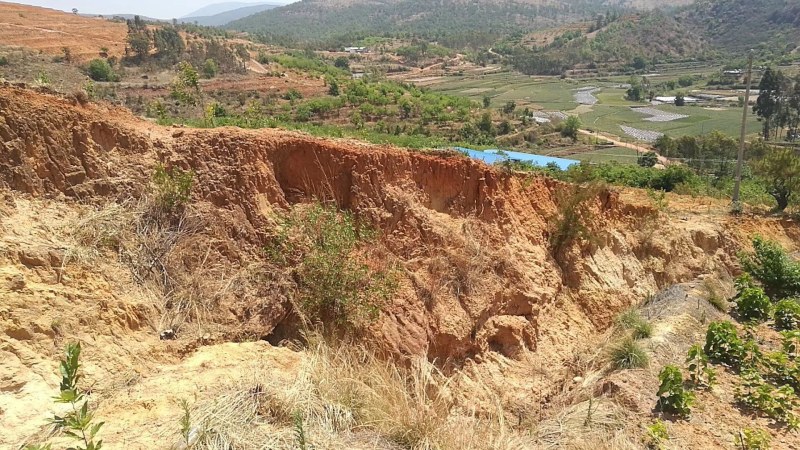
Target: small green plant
[
  {"x": 77, "y": 423},
  {"x": 776, "y": 403},
  {"x": 3, "y": 60},
  {"x": 42, "y": 79},
  {"x": 628, "y": 354},
  {"x": 753, "y": 439},
  {"x": 657, "y": 435},
  {"x": 787, "y": 314},
  {"x": 753, "y": 305},
  {"x": 300, "y": 432},
  {"x": 723, "y": 344},
  {"x": 780, "y": 369},
  {"x": 186, "y": 85},
  {"x": 777, "y": 272},
  {"x": 672, "y": 397},
  {"x": 700, "y": 374},
  {"x": 210, "y": 68},
  {"x": 172, "y": 187},
  {"x": 633, "y": 320},
  {"x": 790, "y": 341},
  {"x": 186, "y": 422}
]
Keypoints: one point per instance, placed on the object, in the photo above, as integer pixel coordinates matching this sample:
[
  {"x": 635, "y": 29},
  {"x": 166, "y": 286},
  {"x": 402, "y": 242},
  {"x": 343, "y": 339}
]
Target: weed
[
  {"x": 172, "y": 187},
  {"x": 787, "y": 314},
  {"x": 777, "y": 272},
  {"x": 320, "y": 244},
  {"x": 570, "y": 224},
  {"x": 76, "y": 423},
  {"x": 775, "y": 403},
  {"x": 300, "y": 432},
  {"x": 186, "y": 423},
  {"x": 723, "y": 344},
  {"x": 657, "y": 435},
  {"x": 753, "y": 305},
  {"x": 628, "y": 354},
  {"x": 659, "y": 199},
  {"x": 633, "y": 320},
  {"x": 672, "y": 397},
  {"x": 753, "y": 439},
  {"x": 42, "y": 79},
  {"x": 700, "y": 374}
]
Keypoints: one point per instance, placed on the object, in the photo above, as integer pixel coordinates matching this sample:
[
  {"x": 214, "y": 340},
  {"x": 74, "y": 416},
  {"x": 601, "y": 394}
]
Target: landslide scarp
[{"x": 479, "y": 286}]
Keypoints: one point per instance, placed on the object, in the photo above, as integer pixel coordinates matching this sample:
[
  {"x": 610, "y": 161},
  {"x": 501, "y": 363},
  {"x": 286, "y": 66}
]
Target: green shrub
[
  {"x": 672, "y": 397},
  {"x": 633, "y": 320},
  {"x": 753, "y": 439},
  {"x": 3, "y": 60},
  {"x": 101, "y": 70},
  {"x": 776, "y": 403},
  {"x": 321, "y": 244},
  {"x": 657, "y": 435},
  {"x": 628, "y": 354},
  {"x": 700, "y": 374},
  {"x": 723, "y": 344},
  {"x": 780, "y": 369},
  {"x": 753, "y": 305},
  {"x": 787, "y": 314},
  {"x": 172, "y": 187},
  {"x": 777, "y": 272}
]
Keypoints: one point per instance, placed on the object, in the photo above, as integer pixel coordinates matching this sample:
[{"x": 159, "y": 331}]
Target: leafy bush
[
  {"x": 100, "y": 70},
  {"x": 777, "y": 272},
  {"x": 3, "y": 60},
  {"x": 753, "y": 439},
  {"x": 210, "y": 68},
  {"x": 672, "y": 397},
  {"x": 186, "y": 84},
  {"x": 320, "y": 244},
  {"x": 787, "y": 314},
  {"x": 778, "y": 368},
  {"x": 753, "y": 305},
  {"x": 775, "y": 403},
  {"x": 791, "y": 342},
  {"x": 575, "y": 212},
  {"x": 700, "y": 374},
  {"x": 723, "y": 344},
  {"x": 633, "y": 320},
  {"x": 172, "y": 187},
  {"x": 628, "y": 354}
]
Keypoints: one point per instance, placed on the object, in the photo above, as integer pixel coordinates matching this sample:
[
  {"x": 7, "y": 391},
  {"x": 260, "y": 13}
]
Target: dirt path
[{"x": 618, "y": 143}]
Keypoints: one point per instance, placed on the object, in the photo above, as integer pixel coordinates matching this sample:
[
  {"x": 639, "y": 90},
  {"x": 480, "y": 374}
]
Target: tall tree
[
  {"x": 768, "y": 102},
  {"x": 780, "y": 170}
]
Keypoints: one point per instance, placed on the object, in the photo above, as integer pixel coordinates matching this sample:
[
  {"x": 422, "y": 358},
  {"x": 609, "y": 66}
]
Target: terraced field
[{"x": 600, "y": 104}]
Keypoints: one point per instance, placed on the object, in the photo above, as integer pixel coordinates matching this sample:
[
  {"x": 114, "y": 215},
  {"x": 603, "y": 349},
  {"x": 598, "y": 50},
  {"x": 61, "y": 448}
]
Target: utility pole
[{"x": 739, "y": 161}]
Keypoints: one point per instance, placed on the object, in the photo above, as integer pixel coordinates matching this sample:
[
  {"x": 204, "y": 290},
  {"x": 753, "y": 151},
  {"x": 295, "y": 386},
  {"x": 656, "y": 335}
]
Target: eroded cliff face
[{"x": 478, "y": 280}]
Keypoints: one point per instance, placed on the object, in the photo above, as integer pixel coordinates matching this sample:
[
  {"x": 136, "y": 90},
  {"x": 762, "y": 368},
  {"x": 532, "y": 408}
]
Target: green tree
[
  {"x": 780, "y": 170},
  {"x": 210, "y": 68},
  {"x": 768, "y": 101},
  {"x": 649, "y": 159},
  {"x": 342, "y": 63},
  {"x": 138, "y": 37},
  {"x": 186, "y": 84},
  {"x": 680, "y": 100},
  {"x": 487, "y": 101},
  {"x": 509, "y": 107},
  {"x": 570, "y": 127},
  {"x": 168, "y": 42},
  {"x": 100, "y": 70}
]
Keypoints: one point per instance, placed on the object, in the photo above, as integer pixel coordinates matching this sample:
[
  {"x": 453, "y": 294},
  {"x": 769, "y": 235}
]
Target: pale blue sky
[{"x": 159, "y": 9}]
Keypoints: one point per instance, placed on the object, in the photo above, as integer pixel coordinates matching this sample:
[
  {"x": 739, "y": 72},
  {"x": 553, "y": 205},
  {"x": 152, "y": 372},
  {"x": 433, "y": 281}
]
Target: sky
[{"x": 158, "y": 9}]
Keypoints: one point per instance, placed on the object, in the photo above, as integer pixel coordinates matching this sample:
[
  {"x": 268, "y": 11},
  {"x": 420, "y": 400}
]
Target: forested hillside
[
  {"x": 456, "y": 23},
  {"x": 771, "y": 27}
]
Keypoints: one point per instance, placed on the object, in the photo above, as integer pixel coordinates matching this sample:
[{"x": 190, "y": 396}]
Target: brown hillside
[
  {"x": 479, "y": 292},
  {"x": 49, "y": 31}
]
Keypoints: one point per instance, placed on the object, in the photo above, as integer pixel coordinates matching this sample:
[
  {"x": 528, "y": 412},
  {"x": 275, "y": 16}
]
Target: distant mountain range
[{"x": 206, "y": 16}]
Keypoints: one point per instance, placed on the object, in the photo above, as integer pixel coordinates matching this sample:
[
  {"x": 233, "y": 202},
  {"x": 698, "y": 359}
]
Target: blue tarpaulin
[{"x": 494, "y": 156}]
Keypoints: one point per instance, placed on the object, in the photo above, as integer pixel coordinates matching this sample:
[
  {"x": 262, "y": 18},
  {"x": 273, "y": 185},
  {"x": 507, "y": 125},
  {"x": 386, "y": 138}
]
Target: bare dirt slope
[
  {"x": 480, "y": 293},
  {"x": 49, "y": 31}
]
